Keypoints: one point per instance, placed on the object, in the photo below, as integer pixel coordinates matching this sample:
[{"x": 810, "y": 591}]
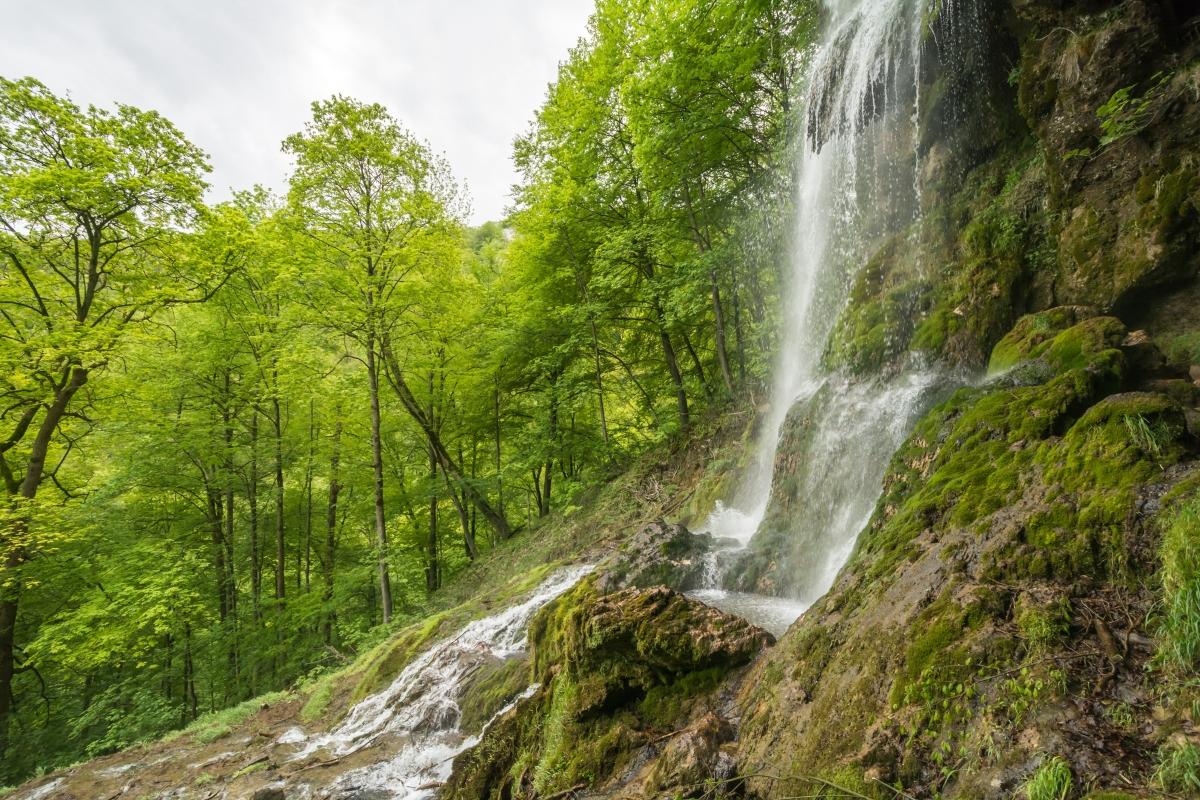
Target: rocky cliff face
[{"x": 995, "y": 612}]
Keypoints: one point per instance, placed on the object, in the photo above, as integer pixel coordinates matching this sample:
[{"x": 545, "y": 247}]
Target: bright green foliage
[
  {"x": 1125, "y": 113},
  {"x": 293, "y": 407},
  {"x": 1179, "y": 768},
  {"x": 1052, "y": 781},
  {"x": 1179, "y": 627}
]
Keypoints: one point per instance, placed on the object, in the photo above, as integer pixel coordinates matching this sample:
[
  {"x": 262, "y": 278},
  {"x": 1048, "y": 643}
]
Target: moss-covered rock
[
  {"x": 614, "y": 671},
  {"x": 659, "y": 554}
]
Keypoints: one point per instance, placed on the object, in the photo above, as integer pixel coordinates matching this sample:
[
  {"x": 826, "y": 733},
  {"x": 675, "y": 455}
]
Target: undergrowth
[
  {"x": 1051, "y": 781},
  {"x": 1179, "y": 625}
]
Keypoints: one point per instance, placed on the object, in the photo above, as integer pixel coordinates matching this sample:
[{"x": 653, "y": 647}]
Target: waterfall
[{"x": 859, "y": 181}]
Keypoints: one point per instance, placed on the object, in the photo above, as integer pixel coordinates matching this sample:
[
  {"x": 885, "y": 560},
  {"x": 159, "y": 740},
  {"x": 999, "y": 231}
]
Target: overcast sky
[{"x": 237, "y": 76}]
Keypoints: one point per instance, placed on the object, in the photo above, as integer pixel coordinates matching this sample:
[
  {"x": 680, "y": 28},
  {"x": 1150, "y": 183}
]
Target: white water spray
[{"x": 859, "y": 181}]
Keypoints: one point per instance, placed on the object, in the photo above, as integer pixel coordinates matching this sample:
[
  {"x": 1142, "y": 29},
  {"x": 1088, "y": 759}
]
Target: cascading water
[
  {"x": 409, "y": 732},
  {"x": 859, "y": 180}
]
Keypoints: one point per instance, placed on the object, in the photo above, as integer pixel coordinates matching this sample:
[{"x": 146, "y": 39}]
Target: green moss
[
  {"x": 210, "y": 733},
  {"x": 251, "y": 769},
  {"x": 662, "y": 705},
  {"x": 1043, "y": 626},
  {"x": 219, "y": 724},
  {"x": 392, "y": 656},
  {"x": 949, "y": 283},
  {"x": 1065, "y": 337},
  {"x": 811, "y": 650},
  {"x": 318, "y": 701},
  {"x": 1085, "y": 451},
  {"x": 615, "y": 670},
  {"x": 489, "y": 689},
  {"x": 887, "y": 299},
  {"x": 932, "y": 649}
]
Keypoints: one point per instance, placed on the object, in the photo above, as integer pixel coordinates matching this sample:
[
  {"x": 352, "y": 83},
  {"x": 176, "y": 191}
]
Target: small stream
[{"x": 401, "y": 741}]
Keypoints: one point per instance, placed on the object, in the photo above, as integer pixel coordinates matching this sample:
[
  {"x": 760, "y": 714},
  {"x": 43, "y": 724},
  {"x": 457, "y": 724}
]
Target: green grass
[
  {"x": 1041, "y": 628},
  {"x": 218, "y": 724},
  {"x": 1179, "y": 769},
  {"x": 1052, "y": 781},
  {"x": 318, "y": 702},
  {"x": 1179, "y": 625}
]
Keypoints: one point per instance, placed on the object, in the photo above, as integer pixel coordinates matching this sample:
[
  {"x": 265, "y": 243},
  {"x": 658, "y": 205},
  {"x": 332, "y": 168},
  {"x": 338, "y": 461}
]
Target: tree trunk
[
  {"x": 396, "y": 378},
  {"x": 548, "y": 475},
  {"x": 673, "y": 368},
  {"x": 719, "y": 314},
  {"x": 704, "y": 243},
  {"x": 10, "y": 590},
  {"x": 696, "y": 364},
  {"x": 308, "y": 496},
  {"x": 190, "y": 709},
  {"x": 8, "y": 628},
  {"x": 331, "y": 519},
  {"x": 432, "y": 575},
  {"x": 499, "y": 470},
  {"x": 280, "y": 540},
  {"x": 385, "y": 584},
  {"x": 252, "y": 499},
  {"x": 230, "y": 574},
  {"x": 460, "y": 505},
  {"x": 738, "y": 333},
  {"x": 599, "y": 384}
]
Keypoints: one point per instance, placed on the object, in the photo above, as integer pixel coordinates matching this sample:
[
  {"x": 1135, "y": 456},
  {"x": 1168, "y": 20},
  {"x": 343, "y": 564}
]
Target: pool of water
[{"x": 774, "y": 614}]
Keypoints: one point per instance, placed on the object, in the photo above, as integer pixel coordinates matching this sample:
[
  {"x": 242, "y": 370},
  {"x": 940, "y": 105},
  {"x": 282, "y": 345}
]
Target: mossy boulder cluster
[{"x": 621, "y": 678}]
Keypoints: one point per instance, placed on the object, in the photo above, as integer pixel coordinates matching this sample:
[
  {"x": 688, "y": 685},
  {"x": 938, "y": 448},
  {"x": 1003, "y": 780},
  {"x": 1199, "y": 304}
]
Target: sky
[{"x": 237, "y": 76}]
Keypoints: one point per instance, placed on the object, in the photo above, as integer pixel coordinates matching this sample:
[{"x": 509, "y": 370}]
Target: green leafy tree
[{"x": 91, "y": 204}]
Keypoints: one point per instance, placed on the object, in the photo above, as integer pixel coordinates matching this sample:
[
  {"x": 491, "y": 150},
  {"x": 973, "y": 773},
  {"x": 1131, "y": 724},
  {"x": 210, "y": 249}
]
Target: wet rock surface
[
  {"x": 660, "y": 554},
  {"x": 620, "y": 673},
  {"x": 1000, "y": 593}
]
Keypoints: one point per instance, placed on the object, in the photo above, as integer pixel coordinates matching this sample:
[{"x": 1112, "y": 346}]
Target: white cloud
[{"x": 237, "y": 76}]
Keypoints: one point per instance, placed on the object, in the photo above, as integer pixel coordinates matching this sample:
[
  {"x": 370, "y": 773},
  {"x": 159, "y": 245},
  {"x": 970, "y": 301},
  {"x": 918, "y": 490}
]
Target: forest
[{"x": 241, "y": 442}]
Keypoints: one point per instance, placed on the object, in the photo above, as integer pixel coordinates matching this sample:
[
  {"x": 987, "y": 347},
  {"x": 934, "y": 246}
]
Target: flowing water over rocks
[{"x": 401, "y": 741}]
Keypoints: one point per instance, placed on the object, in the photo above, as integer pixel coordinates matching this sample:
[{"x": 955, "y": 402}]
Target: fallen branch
[
  {"x": 566, "y": 792},
  {"x": 317, "y": 765}
]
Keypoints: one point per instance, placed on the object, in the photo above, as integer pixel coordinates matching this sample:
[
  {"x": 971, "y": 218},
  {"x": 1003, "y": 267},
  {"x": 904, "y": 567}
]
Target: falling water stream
[{"x": 858, "y": 181}]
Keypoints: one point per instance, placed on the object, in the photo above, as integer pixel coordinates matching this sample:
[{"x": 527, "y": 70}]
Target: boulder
[
  {"x": 615, "y": 671},
  {"x": 690, "y": 758},
  {"x": 660, "y": 554}
]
